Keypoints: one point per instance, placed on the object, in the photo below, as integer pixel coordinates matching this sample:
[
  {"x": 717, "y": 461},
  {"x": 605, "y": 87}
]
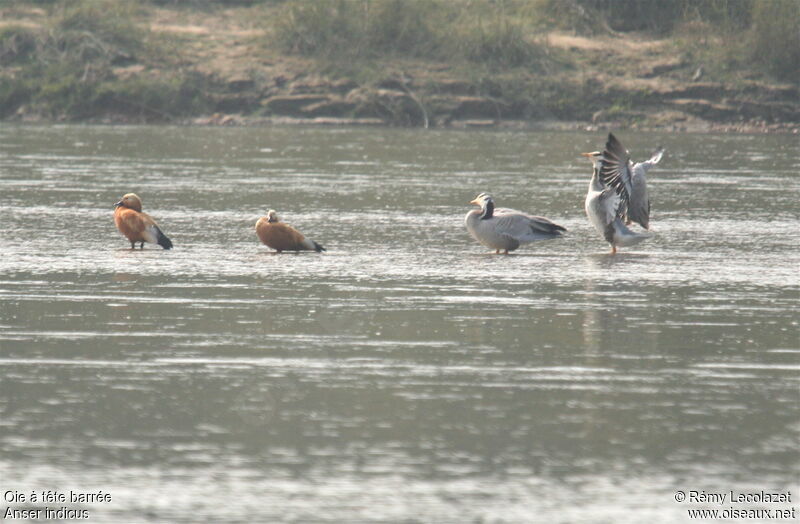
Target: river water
[{"x": 405, "y": 375}]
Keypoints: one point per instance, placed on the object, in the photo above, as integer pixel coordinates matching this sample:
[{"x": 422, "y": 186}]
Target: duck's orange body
[
  {"x": 136, "y": 225},
  {"x": 283, "y": 237}
]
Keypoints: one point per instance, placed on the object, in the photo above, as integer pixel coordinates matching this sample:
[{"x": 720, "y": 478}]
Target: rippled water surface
[{"x": 405, "y": 375}]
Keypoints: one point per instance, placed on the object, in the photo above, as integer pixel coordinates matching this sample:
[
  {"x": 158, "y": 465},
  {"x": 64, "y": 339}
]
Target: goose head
[
  {"x": 595, "y": 157},
  {"x": 486, "y": 203}
]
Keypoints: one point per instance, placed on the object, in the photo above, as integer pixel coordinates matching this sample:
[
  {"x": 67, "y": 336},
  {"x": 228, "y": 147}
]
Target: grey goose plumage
[
  {"x": 507, "y": 229},
  {"x": 606, "y": 206},
  {"x": 618, "y": 171}
]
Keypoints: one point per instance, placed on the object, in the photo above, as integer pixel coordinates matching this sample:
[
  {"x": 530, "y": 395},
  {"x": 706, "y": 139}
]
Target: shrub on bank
[
  {"x": 491, "y": 33},
  {"x": 66, "y": 69},
  {"x": 774, "y": 43}
]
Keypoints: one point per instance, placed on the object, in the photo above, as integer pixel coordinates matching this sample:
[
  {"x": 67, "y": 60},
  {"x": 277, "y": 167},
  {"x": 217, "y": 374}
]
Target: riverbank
[{"x": 217, "y": 67}]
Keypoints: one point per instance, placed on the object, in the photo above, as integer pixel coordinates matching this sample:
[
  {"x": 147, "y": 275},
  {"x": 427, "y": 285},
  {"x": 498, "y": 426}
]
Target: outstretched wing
[
  {"x": 639, "y": 205},
  {"x": 643, "y": 167},
  {"x": 614, "y": 173},
  {"x": 615, "y": 169}
]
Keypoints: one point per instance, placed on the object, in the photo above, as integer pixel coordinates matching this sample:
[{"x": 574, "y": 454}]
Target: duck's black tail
[
  {"x": 163, "y": 240},
  {"x": 318, "y": 248}
]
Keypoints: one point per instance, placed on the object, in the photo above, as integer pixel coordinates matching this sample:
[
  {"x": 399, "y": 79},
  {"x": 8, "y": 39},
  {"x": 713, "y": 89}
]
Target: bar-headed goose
[
  {"x": 507, "y": 229},
  {"x": 606, "y": 206},
  {"x": 620, "y": 171}
]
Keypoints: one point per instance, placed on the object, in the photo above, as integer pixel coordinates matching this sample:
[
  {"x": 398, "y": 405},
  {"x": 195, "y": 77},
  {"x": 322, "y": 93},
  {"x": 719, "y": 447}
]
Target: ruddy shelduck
[
  {"x": 283, "y": 237},
  {"x": 137, "y": 226}
]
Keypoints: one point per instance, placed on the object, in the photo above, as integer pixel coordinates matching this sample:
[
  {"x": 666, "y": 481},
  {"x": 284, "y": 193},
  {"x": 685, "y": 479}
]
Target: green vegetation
[
  {"x": 759, "y": 35},
  {"x": 355, "y": 29},
  {"x": 68, "y": 69},
  {"x": 654, "y": 16},
  {"x": 774, "y": 41},
  {"x": 91, "y": 59},
  {"x": 479, "y": 32}
]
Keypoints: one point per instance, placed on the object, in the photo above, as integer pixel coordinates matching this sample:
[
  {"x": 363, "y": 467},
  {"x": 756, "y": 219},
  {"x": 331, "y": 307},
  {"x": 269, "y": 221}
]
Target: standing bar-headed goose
[{"x": 507, "y": 229}]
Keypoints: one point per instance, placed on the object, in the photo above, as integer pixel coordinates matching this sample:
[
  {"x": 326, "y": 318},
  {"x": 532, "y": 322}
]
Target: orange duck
[
  {"x": 283, "y": 237},
  {"x": 138, "y": 226}
]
